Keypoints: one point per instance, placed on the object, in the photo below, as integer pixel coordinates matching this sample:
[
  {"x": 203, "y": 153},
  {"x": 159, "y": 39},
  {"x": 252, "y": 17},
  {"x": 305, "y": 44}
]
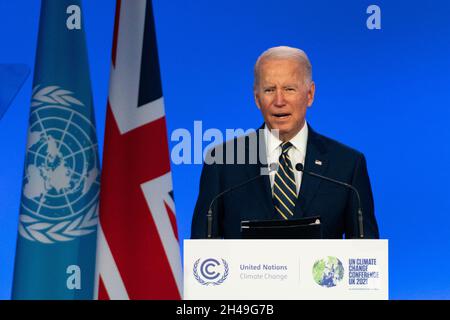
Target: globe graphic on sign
[
  {"x": 328, "y": 272},
  {"x": 61, "y": 177}
]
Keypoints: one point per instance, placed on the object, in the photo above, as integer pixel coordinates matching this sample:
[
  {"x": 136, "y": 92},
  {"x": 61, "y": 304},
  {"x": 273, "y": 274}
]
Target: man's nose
[{"x": 279, "y": 98}]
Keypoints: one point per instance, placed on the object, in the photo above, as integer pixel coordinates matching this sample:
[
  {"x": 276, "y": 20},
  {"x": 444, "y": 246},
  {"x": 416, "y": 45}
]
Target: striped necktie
[{"x": 284, "y": 190}]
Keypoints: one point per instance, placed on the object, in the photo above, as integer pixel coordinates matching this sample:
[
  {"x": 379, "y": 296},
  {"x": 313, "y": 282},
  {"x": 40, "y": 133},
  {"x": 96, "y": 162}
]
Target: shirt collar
[{"x": 299, "y": 141}]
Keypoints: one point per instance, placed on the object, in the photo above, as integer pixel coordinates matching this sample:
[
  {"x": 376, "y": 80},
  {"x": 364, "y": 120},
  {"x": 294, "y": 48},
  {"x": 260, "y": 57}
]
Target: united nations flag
[{"x": 55, "y": 256}]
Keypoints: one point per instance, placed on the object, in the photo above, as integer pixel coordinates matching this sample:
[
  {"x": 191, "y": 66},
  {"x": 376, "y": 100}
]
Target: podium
[{"x": 286, "y": 269}]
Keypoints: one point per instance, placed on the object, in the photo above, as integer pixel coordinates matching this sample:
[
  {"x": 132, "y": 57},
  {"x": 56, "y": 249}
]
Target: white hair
[{"x": 284, "y": 52}]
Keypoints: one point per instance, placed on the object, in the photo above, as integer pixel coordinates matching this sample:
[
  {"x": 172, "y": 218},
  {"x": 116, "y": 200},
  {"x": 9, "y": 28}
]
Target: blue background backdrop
[{"x": 384, "y": 92}]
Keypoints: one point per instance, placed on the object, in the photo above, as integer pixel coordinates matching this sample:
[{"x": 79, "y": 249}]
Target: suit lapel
[{"x": 316, "y": 161}]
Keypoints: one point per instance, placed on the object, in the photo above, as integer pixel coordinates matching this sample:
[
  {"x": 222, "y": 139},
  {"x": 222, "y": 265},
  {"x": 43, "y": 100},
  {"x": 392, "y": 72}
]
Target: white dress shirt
[{"x": 297, "y": 152}]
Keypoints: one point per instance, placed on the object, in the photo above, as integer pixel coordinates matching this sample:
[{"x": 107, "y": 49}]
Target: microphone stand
[{"x": 299, "y": 167}]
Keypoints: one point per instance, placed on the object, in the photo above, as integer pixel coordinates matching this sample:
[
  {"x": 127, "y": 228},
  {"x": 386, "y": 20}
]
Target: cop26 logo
[
  {"x": 61, "y": 181},
  {"x": 211, "y": 271}
]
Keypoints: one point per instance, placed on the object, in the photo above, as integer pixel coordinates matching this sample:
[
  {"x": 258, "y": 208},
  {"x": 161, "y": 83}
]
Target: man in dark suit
[{"x": 283, "y": 90}]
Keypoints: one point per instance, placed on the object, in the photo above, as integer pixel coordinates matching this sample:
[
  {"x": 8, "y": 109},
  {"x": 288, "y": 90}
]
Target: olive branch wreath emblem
[
  {"x": 214, "y": 283},
  {"x": 47, "y": 232}
]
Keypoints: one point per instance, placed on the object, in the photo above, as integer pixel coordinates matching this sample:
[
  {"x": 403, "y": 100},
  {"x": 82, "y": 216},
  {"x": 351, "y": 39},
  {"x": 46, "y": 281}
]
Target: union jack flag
[{"x": 138, "y": 254}]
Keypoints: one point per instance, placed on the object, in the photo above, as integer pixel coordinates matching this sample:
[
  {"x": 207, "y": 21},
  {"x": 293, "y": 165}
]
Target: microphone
[
  {"x": 299, "y": 167},
  {"x": 209, "y": 216}
]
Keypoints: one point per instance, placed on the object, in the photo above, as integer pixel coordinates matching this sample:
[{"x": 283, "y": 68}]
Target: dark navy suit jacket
[{"x": 336, "y": 205}]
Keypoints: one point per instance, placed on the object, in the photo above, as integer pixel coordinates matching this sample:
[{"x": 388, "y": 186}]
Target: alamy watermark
[
  {"x": 234, "y": 146},
  {"x": 373, "y": 22}
]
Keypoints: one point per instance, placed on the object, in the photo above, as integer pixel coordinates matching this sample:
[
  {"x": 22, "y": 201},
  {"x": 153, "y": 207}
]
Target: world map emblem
[
  {"x": 328, "y": 272},
  {"x": 61, "y": 177}
]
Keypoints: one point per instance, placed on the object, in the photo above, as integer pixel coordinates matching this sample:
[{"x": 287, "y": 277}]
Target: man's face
[{"x": 283, "y": 96}]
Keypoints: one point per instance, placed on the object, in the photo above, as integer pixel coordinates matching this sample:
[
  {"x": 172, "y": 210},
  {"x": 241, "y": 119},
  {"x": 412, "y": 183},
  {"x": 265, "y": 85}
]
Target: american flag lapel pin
[{"x": 318, "y": 162}]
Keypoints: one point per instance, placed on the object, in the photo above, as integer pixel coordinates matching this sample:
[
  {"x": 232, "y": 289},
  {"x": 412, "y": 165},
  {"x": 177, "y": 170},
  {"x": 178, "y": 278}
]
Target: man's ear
[
  {"x": 256, "y": 97},
  {"x": 311, "y": 92}
]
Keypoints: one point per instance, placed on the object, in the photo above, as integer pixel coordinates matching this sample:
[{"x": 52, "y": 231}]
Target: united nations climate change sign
[{"x": 286, "y": 269}]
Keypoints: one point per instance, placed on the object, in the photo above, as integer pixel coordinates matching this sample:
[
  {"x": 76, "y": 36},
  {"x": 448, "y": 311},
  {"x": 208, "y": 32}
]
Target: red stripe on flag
[{"x": 102, "y": 293}]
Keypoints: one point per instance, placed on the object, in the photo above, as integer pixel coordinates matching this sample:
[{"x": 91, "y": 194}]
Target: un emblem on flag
[{"x": 61, "y": 177}]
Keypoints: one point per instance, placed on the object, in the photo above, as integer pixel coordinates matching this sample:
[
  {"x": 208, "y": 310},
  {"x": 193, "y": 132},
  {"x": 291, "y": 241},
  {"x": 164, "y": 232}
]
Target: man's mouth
[{"x": 281, "y": 115}]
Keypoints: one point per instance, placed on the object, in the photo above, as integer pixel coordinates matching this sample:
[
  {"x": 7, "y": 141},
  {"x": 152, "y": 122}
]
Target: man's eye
[
  {"x": 290, "y": 89},
  {"x": 268, "y": 90}
]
